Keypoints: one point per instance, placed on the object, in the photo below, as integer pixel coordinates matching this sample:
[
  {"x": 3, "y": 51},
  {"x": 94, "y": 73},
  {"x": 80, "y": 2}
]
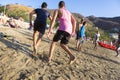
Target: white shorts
[
  {"x": 118, "y": 49},
  {"x": 81, "y": 40}
]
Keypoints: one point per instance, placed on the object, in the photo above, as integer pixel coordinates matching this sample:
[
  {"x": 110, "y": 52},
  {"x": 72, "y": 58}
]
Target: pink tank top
[{"x": 65, "y": 21}]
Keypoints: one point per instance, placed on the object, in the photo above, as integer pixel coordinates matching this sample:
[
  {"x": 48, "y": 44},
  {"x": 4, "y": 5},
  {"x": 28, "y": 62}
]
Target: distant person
[
  {"x": 118, "y": 45},
  {"x": 39, "y": 24},
  {"x": 11, "y": 23},
  {"x": 1, "y": 18},
  {"x": 82, "y": 36},
  {"x": 96, "y": 39},
  {"x": 66, "y": 29},
  {"x": 77, "y": 31},
  {"x": 20, "y": 18}
]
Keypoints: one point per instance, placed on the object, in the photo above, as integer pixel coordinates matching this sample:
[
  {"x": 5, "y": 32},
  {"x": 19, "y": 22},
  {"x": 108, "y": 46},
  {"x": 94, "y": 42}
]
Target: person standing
[
  {"x": 118, "y": 45},
  {"x": 39, "y": 24},
  {"x": 96, "y": 39},
  {"x": 77, "y": 32},
  {"x": 66, "y": 29},
  {"x": 81, "y": 35}
]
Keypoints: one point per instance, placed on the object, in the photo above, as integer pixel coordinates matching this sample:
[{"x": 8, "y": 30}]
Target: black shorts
[
  {"x": 39, "y": 27},
  {"x": 63, "y": 36}
]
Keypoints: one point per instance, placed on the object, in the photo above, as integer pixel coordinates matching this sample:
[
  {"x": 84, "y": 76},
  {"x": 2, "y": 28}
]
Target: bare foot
[
  {"x": 72, "y": 59},
  {"x": 34, "y": 51},
  {"x": 49, "y": 59}
]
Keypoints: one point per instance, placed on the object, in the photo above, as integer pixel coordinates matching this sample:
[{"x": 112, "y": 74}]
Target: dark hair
[
  {"x": 44, "y": 5},
  {"x": 84, "y": 22},
  {"x": 61, "y": 4}
]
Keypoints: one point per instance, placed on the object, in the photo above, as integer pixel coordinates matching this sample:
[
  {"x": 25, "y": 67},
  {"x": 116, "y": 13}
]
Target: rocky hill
[{"x": 104, "y": 23}]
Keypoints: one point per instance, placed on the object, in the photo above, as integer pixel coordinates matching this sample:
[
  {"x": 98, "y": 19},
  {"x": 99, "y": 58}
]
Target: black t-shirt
[{"x": 42, "y": 16}]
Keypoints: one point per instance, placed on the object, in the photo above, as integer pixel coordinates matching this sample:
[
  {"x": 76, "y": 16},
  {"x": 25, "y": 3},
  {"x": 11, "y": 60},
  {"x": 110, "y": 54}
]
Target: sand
[{"x": 18, "y": 63}]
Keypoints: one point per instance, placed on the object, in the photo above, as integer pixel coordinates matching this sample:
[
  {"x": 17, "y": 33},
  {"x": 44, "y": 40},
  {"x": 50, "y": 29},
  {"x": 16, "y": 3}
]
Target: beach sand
[{"x": 18, "y": 63}]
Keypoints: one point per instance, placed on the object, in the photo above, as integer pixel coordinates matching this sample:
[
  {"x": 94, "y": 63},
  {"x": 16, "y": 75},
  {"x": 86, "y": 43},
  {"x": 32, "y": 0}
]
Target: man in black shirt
[{"x": 39, "y": 24}]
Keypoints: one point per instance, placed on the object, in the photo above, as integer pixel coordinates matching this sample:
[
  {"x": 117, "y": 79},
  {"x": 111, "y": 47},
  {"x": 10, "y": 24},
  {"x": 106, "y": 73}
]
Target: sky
[{"x": 98, "y": 8}]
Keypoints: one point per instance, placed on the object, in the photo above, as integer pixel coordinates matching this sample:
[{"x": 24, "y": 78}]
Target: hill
[{"x": 110, "y": 24}]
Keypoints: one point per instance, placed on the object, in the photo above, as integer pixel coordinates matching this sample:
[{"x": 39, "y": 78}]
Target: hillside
[
  {"x": 18, "y": 63},
  {"x": 106, "y": 23}
]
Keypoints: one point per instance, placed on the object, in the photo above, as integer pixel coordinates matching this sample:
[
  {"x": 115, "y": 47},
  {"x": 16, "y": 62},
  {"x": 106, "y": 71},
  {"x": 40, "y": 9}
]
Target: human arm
[
  {"x": 50, "y": 18},
  {"x": 30, "y": 17},
  {"x": 73, "y": 24},
  {"x": 52, "y": 21}
]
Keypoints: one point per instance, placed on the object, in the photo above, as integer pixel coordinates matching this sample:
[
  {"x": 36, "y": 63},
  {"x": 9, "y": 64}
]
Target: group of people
[
  {"x": 67, "y": 26},
  {"x": 10, "y": 22}
]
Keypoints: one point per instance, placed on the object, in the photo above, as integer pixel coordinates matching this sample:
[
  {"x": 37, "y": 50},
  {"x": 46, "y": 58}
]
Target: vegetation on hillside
[{"x": 16, "y": 10}]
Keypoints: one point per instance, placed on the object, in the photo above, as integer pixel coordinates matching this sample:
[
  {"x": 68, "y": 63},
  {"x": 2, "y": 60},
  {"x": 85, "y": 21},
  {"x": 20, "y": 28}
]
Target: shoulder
[{"x": 35, "y": 10}]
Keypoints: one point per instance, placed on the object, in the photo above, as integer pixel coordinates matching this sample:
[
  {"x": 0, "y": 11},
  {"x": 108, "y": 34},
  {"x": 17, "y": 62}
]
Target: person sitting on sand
[
  {"x": 66, "y": 29},
  {"x": 11, "y": 23}
]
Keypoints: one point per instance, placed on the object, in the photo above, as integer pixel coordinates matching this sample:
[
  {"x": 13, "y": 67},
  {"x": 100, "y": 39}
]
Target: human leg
[
  {"x": 117, "y": 51},
  {"x": 81, "y": 41},
  {"x": 72, "y": 58},
  {"x": 38, "y": 40},
  {"x": 52, "y": 47},
  {"x": 56, "y": 37},
  {"x": 77, "y": 39},
  {"x": 95, "y": 46},
  {"x": 34, "y": 41}
]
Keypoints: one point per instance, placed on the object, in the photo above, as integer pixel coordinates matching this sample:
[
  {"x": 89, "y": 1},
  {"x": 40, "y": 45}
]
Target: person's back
[
  {"x": 65, "y": 21},
  {"x": 66, "y": 29},
  {"x": 82, "y": 31},
  {"x": 39, "y": 24},
  {"x": 42, "y": 15}
]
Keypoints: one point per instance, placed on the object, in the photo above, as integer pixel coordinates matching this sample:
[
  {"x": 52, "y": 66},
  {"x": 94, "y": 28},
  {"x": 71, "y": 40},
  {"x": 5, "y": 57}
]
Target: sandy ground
[{"x": 18, "y": 63}]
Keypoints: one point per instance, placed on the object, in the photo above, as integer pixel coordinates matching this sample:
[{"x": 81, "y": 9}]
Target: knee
[{"x": 62, "y": 45}]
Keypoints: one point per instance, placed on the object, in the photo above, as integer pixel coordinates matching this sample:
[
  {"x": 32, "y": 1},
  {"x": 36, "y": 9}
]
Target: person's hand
[
  {"x": 48, "y": 35},
  {"x": 30, "y": 24},
  {"x": 73, "y": 34}
]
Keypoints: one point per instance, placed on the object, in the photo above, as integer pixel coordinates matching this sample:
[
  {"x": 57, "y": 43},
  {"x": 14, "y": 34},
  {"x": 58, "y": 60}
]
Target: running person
[
  {"x": 39, "y": 24},
  {"x": 66, "y": 29}
]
